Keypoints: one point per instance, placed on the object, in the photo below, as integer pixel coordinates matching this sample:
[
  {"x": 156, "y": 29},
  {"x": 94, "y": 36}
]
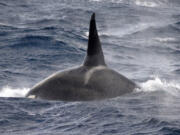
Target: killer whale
[{"x": 93, "y": 80}]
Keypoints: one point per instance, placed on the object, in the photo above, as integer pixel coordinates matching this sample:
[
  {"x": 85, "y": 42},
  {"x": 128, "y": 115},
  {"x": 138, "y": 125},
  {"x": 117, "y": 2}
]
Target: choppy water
[{"x": 141, "y": 40}]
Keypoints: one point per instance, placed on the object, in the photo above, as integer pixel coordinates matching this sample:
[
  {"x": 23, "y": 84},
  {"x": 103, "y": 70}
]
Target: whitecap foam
[
  {"x": 129, "y": 29},
  {"x": 96, "y": 0},
  {"x": 86, "y": 34},
  {"x": 167, "y": 39},
  {"x": 157, "y": 84},
  {"x": 146, "y": 3},
  {"x": 120, "y": 32},
  {"x": 8, "y": 91},
  {"x": 113, "y": 1}
]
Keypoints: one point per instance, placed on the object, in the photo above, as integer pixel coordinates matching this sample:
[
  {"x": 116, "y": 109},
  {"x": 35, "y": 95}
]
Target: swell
[
  {"x": 40, "y": 41},
  {"x": 169, "y": 28},
  {"x": 155, "y": 125}
]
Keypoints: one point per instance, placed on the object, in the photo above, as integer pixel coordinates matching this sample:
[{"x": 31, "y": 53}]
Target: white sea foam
[
  {"x": 167, "y": 39},
  {"x": 143, "y": 3},
  {"x": 146, "y": 3},
  {"x": 8, "y": 91},
  {"x": 151, "y": 3},
  {"x": 113, "y": 1},
  {"x": 128, "y": 29},
  {"x": 157, "y": 84},
  {"x": 86, "y": 34},
  {"x": 96, "y": 0}
]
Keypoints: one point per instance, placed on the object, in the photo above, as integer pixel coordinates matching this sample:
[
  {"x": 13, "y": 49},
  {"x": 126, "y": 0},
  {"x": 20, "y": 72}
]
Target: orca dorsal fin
[{"x": 94, "y": 55}]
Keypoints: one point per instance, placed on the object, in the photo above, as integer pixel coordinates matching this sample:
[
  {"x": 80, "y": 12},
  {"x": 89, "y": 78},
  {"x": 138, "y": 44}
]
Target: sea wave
[
  {"x": 139, "y": 38},
  {"x": 146, "y": 3},
  {"x": 166, "y": 39},
  {"x": 157, "y": 84},
  {"x": 143, "y": 3},
  {"x": 8, "y": 91},
  {"x": 151, "y": 85}
]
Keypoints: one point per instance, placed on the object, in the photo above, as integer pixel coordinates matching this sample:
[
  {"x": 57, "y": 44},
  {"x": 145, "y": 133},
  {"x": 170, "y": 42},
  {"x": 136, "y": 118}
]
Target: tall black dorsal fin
[{"x": 94, "y": 55}]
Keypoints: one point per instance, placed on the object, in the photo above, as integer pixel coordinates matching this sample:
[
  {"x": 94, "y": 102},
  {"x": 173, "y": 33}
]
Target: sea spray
[
  {"x": 157, "y": 84},
  {"x": 8, "y": 91}
]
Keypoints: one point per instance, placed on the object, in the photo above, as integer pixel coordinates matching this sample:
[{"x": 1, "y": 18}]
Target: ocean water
[{"x": 140, "y": 39}]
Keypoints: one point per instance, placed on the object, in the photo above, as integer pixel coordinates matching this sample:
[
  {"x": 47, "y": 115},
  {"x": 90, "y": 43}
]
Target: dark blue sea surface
[{"x": 140, "y": 39}]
